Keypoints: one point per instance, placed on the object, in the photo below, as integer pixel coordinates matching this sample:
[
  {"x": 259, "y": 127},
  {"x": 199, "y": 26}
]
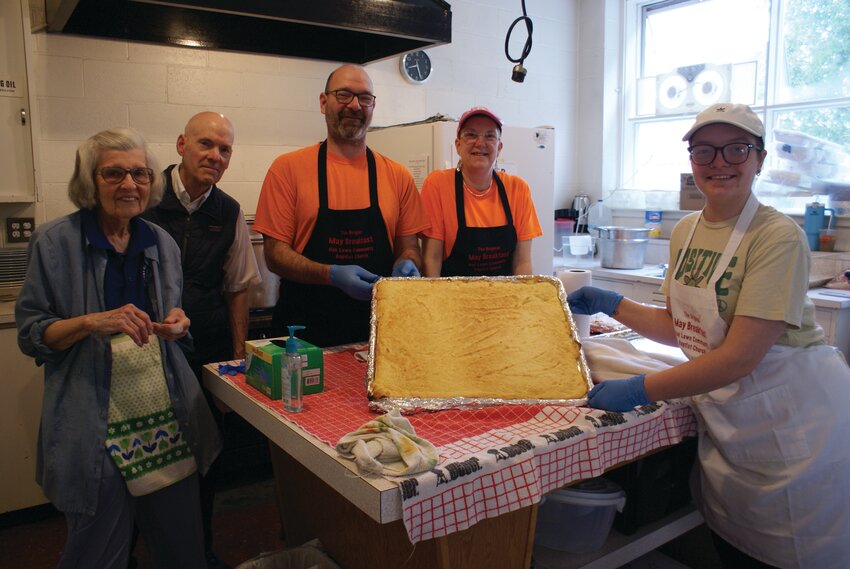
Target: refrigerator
[{"x": 527, "y": 152}]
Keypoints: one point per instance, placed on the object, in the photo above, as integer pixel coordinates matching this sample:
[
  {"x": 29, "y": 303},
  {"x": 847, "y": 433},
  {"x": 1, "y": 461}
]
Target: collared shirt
[
  {"x": 240, "y": 267},
  {"x": 183, "y": 194},
  {"x": 127, "y": 274}
]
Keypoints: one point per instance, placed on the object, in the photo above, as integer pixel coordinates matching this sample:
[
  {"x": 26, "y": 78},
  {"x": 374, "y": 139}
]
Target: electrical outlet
[{"x": 19, "y": 229}]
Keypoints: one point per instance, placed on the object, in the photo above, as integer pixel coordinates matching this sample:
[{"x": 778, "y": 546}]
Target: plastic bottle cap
[{"x": 292, "y": 341}]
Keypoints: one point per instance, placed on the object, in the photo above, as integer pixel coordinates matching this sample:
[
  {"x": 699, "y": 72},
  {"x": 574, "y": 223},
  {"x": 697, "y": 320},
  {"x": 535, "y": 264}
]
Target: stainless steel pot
[
  {"x": 622, "y": 247},
  {"x": 263, "y": 295}
]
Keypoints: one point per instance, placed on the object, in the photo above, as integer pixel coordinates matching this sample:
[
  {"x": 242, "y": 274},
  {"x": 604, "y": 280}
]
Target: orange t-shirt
[
  {"x": 438, "y": 197},
  {"x": 289, "y": 198}
]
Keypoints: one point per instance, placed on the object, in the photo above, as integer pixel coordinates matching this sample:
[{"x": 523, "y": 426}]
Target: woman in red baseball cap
[{"x": 482, "y": 221}]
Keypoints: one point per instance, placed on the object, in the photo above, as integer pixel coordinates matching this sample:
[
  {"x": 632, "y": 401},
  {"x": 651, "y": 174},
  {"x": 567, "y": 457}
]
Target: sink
[{"x": 656, "y": 271}]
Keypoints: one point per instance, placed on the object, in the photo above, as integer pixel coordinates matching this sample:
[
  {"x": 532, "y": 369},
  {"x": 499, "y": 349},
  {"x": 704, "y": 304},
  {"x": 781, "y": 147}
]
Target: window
[{"x": 788, "y": 59}]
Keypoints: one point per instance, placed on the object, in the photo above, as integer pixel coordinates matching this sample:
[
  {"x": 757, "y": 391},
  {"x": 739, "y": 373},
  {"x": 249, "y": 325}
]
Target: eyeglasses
[
  {"x": 470, "y": 136},
  {"x": 343, "y": 97},
  {"x": 734, "y": 153},
  {"x": 116, "y": 175}
]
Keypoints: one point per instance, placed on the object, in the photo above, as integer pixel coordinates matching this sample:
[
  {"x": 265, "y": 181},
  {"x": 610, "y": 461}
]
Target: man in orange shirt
[
  {"x": 482, "y": 221},
  {"x": 335, "y": 217}
]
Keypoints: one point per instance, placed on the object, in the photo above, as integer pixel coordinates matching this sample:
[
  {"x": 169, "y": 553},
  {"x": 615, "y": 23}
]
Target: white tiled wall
[{"x": 82, "y": 85}]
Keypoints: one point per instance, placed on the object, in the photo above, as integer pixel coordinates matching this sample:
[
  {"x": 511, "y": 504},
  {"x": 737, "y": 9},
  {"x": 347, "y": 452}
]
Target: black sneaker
[{"x": 213, "y": 562}]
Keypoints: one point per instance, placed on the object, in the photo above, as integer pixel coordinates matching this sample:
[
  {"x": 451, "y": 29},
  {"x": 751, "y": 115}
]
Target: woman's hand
[
  {"x": 127, "y": 319},
  {"x": 174, "y": 326},
  {"x": 618, "y": 394},
  {"x": 590, "y": 300},
  {"x": 62, "y": 334}
]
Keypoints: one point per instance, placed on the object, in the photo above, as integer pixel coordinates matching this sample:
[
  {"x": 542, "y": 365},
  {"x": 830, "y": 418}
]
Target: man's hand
[
  {"x": 405, "y": 268},
  {"x": 353, "y": 280},
  {"x": 590, "y": 300}
]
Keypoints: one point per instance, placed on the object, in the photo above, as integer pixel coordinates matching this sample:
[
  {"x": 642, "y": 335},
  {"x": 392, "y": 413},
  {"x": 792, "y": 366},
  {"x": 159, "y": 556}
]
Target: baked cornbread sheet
[{"x": 462, "y": 342}]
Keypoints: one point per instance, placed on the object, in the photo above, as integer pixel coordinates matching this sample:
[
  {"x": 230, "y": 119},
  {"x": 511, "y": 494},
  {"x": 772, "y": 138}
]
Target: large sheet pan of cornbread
[{"x": 461, "y": 342}]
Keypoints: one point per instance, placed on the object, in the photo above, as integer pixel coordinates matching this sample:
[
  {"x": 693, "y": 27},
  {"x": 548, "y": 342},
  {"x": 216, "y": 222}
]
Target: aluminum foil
[{"x": 410, "y": 405}]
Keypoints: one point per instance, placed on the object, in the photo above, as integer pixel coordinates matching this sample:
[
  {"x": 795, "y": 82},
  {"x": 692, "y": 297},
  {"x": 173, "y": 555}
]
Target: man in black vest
[{"x": 218, "y": 262}]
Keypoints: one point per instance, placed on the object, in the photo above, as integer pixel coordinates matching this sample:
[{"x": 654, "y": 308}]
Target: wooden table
[{"x": 359, "y": 519}]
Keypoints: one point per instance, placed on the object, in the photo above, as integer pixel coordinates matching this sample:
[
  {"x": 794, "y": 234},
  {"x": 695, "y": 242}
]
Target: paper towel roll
[{"x": 574, "y": 279}]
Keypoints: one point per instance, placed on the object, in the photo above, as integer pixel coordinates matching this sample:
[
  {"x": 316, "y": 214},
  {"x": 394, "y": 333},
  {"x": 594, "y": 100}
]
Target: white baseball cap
[{"x": 741, "y": 116}]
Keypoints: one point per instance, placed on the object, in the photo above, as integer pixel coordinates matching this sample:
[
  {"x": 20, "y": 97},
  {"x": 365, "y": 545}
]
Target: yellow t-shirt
[{"x": 767, "y": 277}]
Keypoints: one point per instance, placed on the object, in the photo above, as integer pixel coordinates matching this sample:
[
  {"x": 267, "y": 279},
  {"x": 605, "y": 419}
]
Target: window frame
[{"x": 632, "y": 53}]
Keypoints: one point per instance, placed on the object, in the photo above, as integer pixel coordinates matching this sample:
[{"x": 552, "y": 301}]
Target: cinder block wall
[{"x": 82, "y": 85}]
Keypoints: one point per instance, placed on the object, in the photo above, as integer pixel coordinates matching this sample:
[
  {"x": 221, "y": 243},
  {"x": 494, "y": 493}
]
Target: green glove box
[{"x": 263, "y": 359}]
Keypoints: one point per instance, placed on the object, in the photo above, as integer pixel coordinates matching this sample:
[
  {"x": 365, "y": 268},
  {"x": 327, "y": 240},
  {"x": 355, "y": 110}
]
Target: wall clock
[{"x": 416, "y": 66}]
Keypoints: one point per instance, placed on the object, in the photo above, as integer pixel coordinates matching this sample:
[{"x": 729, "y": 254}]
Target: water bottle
[{"x": 598, "y": 216}]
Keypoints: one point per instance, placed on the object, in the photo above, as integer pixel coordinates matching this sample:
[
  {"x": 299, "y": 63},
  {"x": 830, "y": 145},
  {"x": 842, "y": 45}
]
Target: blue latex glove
[
  {"x": 353, "y": 280},
  {"x": 229, "y": 369},
  {"x": 590, "y": 300},
  {"x": 618, "y": 394},
  {"x": 405, "y": 268}
]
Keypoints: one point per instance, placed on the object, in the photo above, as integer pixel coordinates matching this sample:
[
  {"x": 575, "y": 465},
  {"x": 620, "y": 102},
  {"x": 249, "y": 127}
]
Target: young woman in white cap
[
  {"x": 771, "y": 398},
  {"x": 482, "y": 221}
]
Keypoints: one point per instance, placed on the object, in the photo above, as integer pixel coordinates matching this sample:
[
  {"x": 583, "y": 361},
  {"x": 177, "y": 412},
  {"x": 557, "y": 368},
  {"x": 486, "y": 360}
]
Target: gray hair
[{"x": 82, "y": 189}]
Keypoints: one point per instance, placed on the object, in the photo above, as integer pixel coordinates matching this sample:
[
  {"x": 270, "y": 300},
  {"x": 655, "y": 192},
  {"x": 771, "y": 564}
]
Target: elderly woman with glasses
[
  {"x": 482, "y": 221},
  {"x": 125, "y": 427},
  {"x": 771, "y": 397}
]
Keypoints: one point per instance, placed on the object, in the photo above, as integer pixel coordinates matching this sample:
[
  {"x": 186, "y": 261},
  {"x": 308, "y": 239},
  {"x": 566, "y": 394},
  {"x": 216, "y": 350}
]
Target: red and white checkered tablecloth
[
  {"x": 343, "y": 407},
  {"x": 492, "y": 460},
  {"x": 506, "y": 469}
]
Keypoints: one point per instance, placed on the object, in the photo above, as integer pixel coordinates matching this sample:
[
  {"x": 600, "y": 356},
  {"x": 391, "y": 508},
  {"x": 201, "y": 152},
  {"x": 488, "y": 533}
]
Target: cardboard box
[
  {"x": 263, "y": 360},
  {"x": 690, "y": 198}
]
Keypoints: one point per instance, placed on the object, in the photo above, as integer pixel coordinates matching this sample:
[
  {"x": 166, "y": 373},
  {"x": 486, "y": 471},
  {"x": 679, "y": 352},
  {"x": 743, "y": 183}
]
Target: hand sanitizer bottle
[{"x": 294, "y": 362}]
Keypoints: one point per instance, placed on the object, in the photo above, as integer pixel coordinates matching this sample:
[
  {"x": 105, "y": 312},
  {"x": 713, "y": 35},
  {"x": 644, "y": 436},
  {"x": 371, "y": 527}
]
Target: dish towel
[
  {"x": 143, "y": 435},
  {"x": 389, "y": 446},
  {"x": 617, "y": 358}
]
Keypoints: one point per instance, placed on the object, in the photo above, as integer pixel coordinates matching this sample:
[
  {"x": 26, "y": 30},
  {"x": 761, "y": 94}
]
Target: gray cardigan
[{"x": 65, "y": 279}]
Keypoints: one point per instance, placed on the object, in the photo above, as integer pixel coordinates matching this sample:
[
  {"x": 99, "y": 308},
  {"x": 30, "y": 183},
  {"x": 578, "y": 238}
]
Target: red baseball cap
[{"x": 478, "y": 111}]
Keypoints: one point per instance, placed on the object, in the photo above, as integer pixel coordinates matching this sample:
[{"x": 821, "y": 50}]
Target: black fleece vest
[{"x": 204, "y": 238}]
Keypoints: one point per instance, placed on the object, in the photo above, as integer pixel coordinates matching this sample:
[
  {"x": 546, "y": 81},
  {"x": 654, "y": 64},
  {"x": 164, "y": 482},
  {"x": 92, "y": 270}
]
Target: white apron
[{"x": 773, "y": 448}]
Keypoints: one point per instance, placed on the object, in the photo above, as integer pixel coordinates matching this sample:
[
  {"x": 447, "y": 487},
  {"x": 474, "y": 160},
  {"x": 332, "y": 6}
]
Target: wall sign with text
[{"x": 10, "y": 86}]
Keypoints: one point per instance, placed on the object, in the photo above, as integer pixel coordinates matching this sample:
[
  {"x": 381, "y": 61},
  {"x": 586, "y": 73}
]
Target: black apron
[
  {"x": 340, "y": 237},
  {"x": 481, "y": 251}
]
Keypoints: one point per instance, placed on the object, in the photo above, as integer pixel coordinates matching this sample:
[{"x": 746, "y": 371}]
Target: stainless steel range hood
[{"x": 357, "y": 31}]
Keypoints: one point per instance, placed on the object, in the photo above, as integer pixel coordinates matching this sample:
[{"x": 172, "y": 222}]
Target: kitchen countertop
[{"x": 651, "y": 274}]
